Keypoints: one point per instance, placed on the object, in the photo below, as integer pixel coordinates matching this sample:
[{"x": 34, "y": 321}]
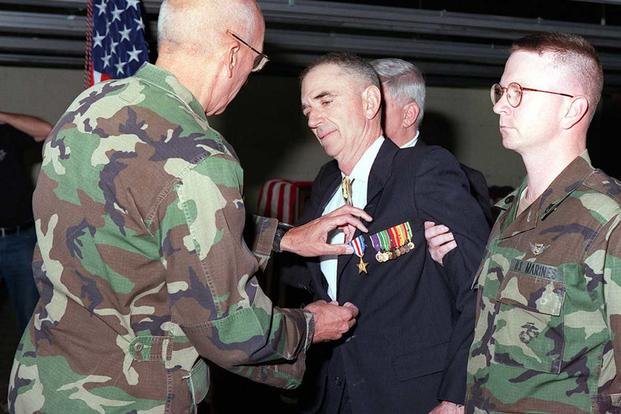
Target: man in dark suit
[
  {"x": 403, "y": 94},
  {"x": 408, "y": 351}
]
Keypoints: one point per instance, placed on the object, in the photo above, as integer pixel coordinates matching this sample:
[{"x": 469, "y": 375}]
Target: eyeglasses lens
[{"x": 496, "y": 93}]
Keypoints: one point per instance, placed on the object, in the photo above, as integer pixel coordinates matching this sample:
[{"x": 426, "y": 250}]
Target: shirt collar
[
  {"x": 413, "y": 141},
  {"x": 563, "y": 185},
  {"x": 361, "y": 170},
  {"x": 165, "y": 80}
]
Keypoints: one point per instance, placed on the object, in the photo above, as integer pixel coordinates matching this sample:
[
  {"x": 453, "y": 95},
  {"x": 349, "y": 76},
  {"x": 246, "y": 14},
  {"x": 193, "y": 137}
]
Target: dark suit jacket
[
  {"x": 480, "y": 191},
  {"x": 409, "y": 348}
]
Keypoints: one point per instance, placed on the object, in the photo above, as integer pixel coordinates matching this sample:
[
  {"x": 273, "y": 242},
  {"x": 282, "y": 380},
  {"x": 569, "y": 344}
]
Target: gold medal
[{"x": 362, "y": 266}]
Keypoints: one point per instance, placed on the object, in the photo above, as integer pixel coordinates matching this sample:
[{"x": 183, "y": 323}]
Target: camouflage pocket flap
[
  {"x": 533, "y": 286},
  {"x": 198, "y": 381}
]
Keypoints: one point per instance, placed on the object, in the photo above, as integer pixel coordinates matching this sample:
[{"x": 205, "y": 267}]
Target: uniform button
[
  {"x": 338, "y": 381},
  {"x": 138, "y": 347}
]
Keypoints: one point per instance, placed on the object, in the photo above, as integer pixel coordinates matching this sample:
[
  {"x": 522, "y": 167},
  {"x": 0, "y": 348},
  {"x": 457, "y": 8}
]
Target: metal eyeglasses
[
  {"x": 514, "y": 93},
  {"x": 260, "y": 60}
]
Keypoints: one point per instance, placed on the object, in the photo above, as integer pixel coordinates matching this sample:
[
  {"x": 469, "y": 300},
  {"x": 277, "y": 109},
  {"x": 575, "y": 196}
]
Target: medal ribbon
[
  {"x": 384, "y": 240},
  {"x": 401, "y": 231},
  {"x": 359, "y": 246},
  {"x": 409, "y": 230},
  {"x": 375, "y": 242},
  {"x": 394, "y": 239}
]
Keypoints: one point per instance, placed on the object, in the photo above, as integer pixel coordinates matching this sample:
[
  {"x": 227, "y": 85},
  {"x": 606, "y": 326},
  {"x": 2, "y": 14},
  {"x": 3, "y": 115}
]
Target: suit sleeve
[
  {"x": 442, "y": 195},
  {"x": 213, "y": 292}
]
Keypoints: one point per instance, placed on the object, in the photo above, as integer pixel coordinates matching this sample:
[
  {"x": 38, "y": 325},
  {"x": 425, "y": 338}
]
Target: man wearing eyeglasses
[
  {"x": 548, "y": 332},
  {"x": 140, "y": 264}
]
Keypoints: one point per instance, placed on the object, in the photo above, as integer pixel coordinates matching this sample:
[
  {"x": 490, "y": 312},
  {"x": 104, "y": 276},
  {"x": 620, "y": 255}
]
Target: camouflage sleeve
[
  {"x": 214, "y": 295},
  {"x": 610, "y": 378},
  {"x": 263, "y": 238}
]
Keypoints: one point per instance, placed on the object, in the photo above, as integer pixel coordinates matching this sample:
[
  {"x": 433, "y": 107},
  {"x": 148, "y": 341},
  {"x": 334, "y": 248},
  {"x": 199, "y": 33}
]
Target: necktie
[{"x": 346, "y": 190}]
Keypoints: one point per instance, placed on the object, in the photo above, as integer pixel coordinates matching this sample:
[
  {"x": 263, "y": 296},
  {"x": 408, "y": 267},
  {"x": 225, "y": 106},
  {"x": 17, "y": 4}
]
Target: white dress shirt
[
  {"x": 360, "y": 177},
  {"x": 412, "y": 142}
]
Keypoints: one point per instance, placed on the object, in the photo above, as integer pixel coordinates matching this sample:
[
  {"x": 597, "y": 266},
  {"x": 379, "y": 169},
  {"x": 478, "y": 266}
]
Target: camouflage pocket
[
  {"x": 529, "y": 326},
  {"x": 198, "y": 382}
]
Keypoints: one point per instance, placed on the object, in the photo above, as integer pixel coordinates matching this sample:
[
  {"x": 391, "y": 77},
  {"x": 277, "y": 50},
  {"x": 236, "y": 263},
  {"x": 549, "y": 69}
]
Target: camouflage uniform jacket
[
  {"x": 548, "y": 330},
  {"x": 140, "y": 261}
]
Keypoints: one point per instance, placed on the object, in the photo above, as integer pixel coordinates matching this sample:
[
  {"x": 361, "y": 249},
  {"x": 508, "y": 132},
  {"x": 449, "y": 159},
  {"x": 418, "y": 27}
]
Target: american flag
[
  {"x": 283, "y": 199},
  {"x": 117, "y": 45}
]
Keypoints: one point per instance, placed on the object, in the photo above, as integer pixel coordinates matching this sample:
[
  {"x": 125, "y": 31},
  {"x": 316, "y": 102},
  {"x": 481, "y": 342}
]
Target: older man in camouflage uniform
[
  {"x": 140, "y": 261},
  {"x": 548, "y": 332}
]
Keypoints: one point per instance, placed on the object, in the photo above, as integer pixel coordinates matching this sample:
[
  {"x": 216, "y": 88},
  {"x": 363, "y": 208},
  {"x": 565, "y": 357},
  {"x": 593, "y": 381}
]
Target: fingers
[
  {"x": 353, "y": 307},
  {"x": 444, "y": 249},
  {"x": 345, "y": 220},
  {"x": 350, "y": 210},
  {"x": 440, "y": 239},
  {"x": 332, "y": 320},
  {"x": 433, "y": 230},
  {"x": 337, "y": 249},
  {"x": 349, "y": 233},
  {"x": 353, "y": 312}
]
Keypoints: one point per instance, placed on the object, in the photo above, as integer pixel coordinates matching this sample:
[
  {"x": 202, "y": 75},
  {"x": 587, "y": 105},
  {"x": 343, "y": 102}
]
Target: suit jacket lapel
[
  {"x": 329, "y": 182},
  {"x": 379, "y": 175}
]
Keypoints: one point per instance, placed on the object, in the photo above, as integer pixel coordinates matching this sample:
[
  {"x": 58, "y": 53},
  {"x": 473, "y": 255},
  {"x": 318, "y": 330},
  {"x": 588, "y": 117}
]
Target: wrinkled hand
[
  {"x": 440, "y": 240},
  {"x": 447, "y": 407},
  {"x": 311, "y": 239},
  {"x": 331, "y": 320}
]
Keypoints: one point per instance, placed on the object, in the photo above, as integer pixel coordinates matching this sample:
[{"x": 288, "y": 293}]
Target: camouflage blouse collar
[
  {"x": 167, "y": 81},
  {"x": 563, "y": 185}
]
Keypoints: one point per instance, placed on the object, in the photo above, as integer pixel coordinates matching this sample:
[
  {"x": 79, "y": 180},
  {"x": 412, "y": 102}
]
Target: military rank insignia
[
  {"x": 359, "y": 248},
  {"x": 393, "y": 242}
]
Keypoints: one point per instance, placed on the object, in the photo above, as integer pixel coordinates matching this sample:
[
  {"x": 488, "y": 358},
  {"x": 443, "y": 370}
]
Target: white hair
[
  {"x": 200, "y": 22},
  {"x": 403, "y": 81}
]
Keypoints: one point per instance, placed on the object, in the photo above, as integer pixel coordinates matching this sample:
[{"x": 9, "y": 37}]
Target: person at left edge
[
  {"x": 18, "y": 133},
  {"x": 140, "y": 260},
  {"x": 408, "y": 350}
]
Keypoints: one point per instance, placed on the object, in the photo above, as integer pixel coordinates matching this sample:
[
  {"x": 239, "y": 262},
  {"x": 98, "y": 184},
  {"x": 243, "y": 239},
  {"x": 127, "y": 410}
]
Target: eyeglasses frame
[
  {"x": 522, "y": 89},
  {"x": 258, "y": 64}
]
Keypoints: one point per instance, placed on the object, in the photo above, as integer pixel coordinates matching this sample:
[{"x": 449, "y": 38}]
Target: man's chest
[{"x": 540, "y": 282}]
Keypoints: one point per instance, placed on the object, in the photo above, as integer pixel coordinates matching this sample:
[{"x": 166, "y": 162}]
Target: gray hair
[
  {"x": 403, "y": 81},
  {"x": 350, "y": 63}
]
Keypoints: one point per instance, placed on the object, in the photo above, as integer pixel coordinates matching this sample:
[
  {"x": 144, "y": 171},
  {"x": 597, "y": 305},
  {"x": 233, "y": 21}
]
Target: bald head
[
  {"x": 210, "y": 46},
  {"x": 201, "y": 25}
]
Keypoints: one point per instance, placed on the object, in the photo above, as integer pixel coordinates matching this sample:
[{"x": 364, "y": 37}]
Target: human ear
[
  {"x": 576, "y": 111},
  {"x": 372, "y": 98},
  {"x": 410, "y": 114},
  {"x": 232, "y": 60}
]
